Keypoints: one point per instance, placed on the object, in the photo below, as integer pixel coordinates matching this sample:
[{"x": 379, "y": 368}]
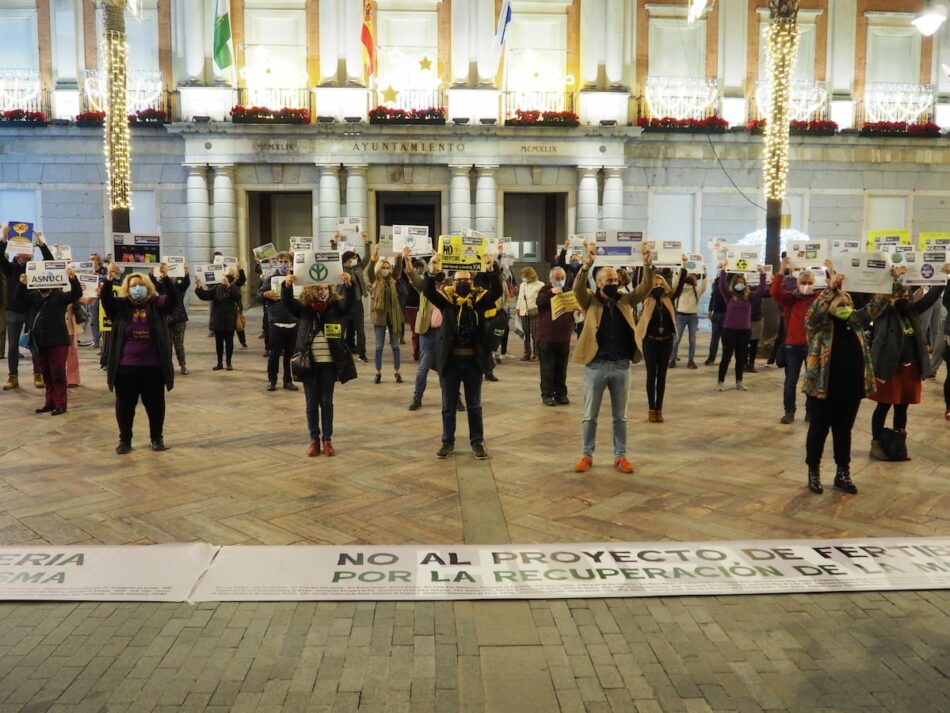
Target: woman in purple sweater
[{"x": 737, "y": 326}]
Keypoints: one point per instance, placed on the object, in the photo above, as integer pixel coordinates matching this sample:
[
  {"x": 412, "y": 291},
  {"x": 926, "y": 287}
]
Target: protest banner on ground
[
  {"x": 317, "y": 267},
  {"x": 415, "y": 237},
  {"x": 349, "y": 226},
  {"x": 840, "y": 247},
  {"x": 866, "y": 272},
  {"x": 461, "y": 252},
  {"x": 209, "y": 274},
  {"x": 135, "y": 248},
  {"x": 300, "y": 244},
  {"x": 20, "y": 238},
  {"x": 922, "y": 268},
  {"x": 46, "y": 274},
  {"x": 806, "y": 253},
  {"x": 176, "y": 265},
  {"x": 265, "y": 252},
  {"x": 62, "y": 252},
  {"x": 879, "y": 238},
  {"x": 667, "y": 253},
  {"x": 90, "y": 284},
  {"x": 563, "y": 303}
]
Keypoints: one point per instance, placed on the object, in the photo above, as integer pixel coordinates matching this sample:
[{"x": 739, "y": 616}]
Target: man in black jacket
[
  {"x": 463, "y": 356},
  {"x": 18, "y": 311}
]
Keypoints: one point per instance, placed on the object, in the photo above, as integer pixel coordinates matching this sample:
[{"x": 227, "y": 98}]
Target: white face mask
[{"x": 806, "y": 288}]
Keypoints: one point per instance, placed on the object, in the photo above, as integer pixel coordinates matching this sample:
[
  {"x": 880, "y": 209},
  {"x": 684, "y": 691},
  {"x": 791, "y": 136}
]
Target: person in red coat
[{"x": 794, "y": 305}]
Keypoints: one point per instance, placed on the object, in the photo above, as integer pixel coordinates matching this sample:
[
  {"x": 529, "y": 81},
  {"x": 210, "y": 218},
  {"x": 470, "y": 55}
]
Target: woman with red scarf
[{"x": 321, "y": 315}]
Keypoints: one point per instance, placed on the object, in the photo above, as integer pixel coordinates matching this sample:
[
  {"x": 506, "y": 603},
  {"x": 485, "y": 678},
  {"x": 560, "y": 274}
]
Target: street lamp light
[{"x": 930, "y": 20}]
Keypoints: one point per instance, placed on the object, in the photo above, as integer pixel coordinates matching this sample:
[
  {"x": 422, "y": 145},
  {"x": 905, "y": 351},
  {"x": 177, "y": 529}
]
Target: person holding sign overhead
[
  {"x": 606, "y": 347},
  {"x": 385, "y": 310},
  {"x": 225, "y": 299},
  {"x": 795, "y": 306},
  {"x": 737, "y": 325},
  {"x": 554, "y": 339},
  {"x": 49, "y": 337},
  {"x": 140, "y": 351},
  {"x": 463, "y": 355},
  {"x": 178, "y": 320},
  {"x": 281, "y": 326},
  {"x": 17, "y": 308},
  {"x": 321, "y": 317},
  {"x": 526, "y": 307}
]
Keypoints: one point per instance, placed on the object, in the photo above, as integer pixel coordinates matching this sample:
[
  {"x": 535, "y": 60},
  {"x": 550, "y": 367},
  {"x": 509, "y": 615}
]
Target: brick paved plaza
[{"x": 720, "y": 468}]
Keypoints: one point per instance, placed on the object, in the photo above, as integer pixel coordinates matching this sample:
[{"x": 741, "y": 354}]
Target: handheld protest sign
[
  {"x": 924, "y": 268},
  {"x": 46, "y": 274},
  {"x": 866, "y": 272},
  {"x": 349, "y": 226},
  {"x": 83, "y": 266},
  {"x": 300, "y": 244},
  {"x": 742, "y": 258},
  {"x": 695, "y": 264},
  {"x": 317, "y": 267},
  {"x": 90, "y": 284},
  {"x": 415, "y": 237},
  {"x": 176, "y": 265},
  {"x": 461, "y": 252},
  {"x": 62, "y": 252},
  {"x": 265, "y": 252},
  {"x": 229, "y": 261},
  {"x": 933, "y": 242},
  {"x": 805, "y": 253},
  {"x": 209, "y": 274},
  {"x": 667, "y": 253},
  {"x": 877, "y": 239},
  {"x": 20, "y": 238},
  {"x": 840, "y": 247},
  {"x": 136, "y": 248}
]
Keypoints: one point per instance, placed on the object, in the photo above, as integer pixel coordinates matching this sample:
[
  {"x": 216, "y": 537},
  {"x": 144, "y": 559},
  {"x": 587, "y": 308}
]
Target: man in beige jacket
[{"x": 606, "y": 346}]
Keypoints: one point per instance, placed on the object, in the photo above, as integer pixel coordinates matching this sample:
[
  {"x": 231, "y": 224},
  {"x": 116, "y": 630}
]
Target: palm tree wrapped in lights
[
  {"x": 116, "y": 128},
  {"x": 781, "y": 46}
]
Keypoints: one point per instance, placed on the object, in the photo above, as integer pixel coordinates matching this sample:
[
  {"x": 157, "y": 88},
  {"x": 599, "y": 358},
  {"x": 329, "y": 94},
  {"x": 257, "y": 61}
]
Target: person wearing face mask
[
  {"x": 655, "y": 330},
  {"x": 794, "y": 306},
  {"x": 385, "y": 310},
  {"x": 838, "y": 374},
  {"x": 50, "y": 338},
  {"x": 901, "y": 361},
  {"x": 225, "y": 299},
  {"x": 606, "y": 347},
  {"x": 321, "y": 315},
  {"x": 178, "y": 321},
  {"x": 353, "y": 265},
  {"x": 554, "y": 341},
  {"x": 140, "y": 351},
  {"x": 687, "y": 314},
  {"x": 17, "y": 308},
  {"x": 463, "y": 355},
  {"x": 526, "y": 307},
  {"x": 737, "y": 325},
  {"x": 569, "y": 260},
  {"x": 413, "y": 269},
  {"x": 282, "y": 327}
]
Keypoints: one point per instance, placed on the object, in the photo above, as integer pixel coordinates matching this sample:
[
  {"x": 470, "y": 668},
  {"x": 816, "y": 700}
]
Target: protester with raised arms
[
  {"x": 385, "y": 310},
  {"x": 737, "y": 324},
  {"x": 606, "y": 347},
  {"x": 178, "y": 320},
  {"x": 140, "y": 351},
  {"x": 225, "y": 298},
  {"x": 526, "y": 307},
  {"x": 794, "y": 306},
  {"x": 687, "y": 314},
  {"x": 554, "y": 340},
  {"x": 655, "y": 331},
  {"x": 321, "y": 355},
  {"x": 282, "y": 327},
  {"x": 462, "y": 353}
]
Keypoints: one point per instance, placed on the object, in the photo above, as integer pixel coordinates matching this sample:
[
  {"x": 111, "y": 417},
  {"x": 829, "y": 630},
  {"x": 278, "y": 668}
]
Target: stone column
[
  {"x": 357, "y": 196},
  {"x": 483, "y": 34},
  {"x": 329, "y": 52},
  {"x": 192, "y": 16},
  {"x": 224, "y": 213},
  {"x": 593, "y": 23},
  {"x": 587, "y": 200},
  {"x": 486, "y": 200},
  {"x": 352, "y": 49},
  {"x": 329, "y": 203},
  {"x": 613, "y": 199},
  {"x": 460, "y": 199},
  {"x": 613, "y": 43},
  {"x": 199, "y": 225}
]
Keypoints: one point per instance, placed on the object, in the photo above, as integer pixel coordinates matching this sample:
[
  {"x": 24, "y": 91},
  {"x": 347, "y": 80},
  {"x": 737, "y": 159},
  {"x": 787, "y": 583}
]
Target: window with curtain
[
  {"x": 407, "y": 50},
  {"x": 535, "y": 63},
  {"x": 275, "y": 53},
  {"x": 19, "y": 63},
  {"x": 676, "y": 82}
]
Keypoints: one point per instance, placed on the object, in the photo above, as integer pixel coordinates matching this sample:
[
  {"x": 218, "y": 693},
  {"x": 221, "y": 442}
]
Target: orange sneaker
[
  {"x": 584, "y": 464},
  {"x": 623, "y": 465},
  {"x": 313, "y": 449},
  {"x": 328, "y": 449}
]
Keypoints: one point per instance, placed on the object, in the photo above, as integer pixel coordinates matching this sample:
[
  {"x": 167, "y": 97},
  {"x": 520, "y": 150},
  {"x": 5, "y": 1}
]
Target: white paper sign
[
  {"x": 385, "y": 240},
  {"x": 62, "y": 252},
  {"x": 840, "y": 247},
  {"x": 820, "y": 277},
  {"x": 617, "y": 256},
  {"x": 922, "y": 268},
  {"x": 176, "y": 265},
  {"x": 470, "y": 233},
  {"x": 695, "y": 264},
  {"x": 742, "y": 258},
  {"x": 210, "y": 274},
  {"x": 230, "y": 263},
  {"x": 415, "y": 237},
  {"x": 577, "y": 241},
  {"x": 504, "y": 246},
  {"x": 83, "y": 266},
  {"x": 349, "y": 225},
  {"x": 277, "y": 284},
  {"x": 46, "y": 274},
  {"x": 866, "y": 272},
  {"x": 806, "y": 253},
  {"x": 90, "y": 284},
  {"x": 667, "y": 253},
  {"x": 300, "y": 244},
  {"x": 317, "y": 267}
]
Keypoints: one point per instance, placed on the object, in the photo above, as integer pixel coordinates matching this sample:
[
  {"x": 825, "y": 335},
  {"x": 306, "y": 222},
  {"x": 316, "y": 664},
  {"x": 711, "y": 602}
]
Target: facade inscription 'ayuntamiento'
[{"x": 410, "y": 147}]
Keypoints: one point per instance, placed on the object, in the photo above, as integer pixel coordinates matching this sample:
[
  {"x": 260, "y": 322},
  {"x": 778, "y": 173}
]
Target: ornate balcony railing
[
  {"x": 911, "y": 103},
  {"x": 275, "y": 98},
  {"x": 409, "y": 99},
  {"x": 145, "y": 89},
  {"x": 538, "y": 101},
  {"x": 21, "y": 89},
  {"x": 682, "y": 97},
  {"x": 808, "y": 101}
]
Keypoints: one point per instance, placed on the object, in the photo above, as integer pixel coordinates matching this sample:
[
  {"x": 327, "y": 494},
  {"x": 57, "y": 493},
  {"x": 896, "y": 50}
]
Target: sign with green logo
[{"x": 317, "y": 267}]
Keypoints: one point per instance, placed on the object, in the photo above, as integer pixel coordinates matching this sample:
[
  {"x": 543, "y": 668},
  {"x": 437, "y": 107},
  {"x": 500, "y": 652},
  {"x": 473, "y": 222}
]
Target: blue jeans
[
  {"x": 381, "y": 342},
  {"x": 615, "y": 377},
  {"x": 427, "y": 344},
  {"x": 684, "y": 322},
  {"x": 464, "y": 372},
  {"x": 794, "y": 358}
]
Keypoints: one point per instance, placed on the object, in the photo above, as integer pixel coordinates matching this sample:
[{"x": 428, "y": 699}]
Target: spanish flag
[{"x": 368, "y": 38}]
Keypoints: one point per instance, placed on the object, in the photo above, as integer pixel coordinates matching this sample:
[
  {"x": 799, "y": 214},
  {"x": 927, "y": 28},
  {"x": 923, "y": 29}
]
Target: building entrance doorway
[
  {"x": 538, "y": 221},
  {"x": 275, "y": 216},
  {"x": 409, "y": 208}
]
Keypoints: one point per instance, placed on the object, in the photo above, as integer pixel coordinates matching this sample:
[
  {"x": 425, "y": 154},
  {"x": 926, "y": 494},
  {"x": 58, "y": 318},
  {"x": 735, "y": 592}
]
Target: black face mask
[
  {"x": 902, "y": 304},
  {"x": 657, "y": 292},
  {"x": 463, "y": 289},
  {"x": 611, "y": 290}
]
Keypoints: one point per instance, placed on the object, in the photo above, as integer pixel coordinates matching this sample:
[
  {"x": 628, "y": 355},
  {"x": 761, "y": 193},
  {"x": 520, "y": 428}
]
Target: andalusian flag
[
  {"x": 368, "y": 38},
  {"x": 222, "y": 34}
]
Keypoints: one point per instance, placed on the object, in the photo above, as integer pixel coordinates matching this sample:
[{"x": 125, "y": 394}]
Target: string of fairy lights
[
  {"x": 116, "y": 127},
  {"x": 781, "y": 47}
]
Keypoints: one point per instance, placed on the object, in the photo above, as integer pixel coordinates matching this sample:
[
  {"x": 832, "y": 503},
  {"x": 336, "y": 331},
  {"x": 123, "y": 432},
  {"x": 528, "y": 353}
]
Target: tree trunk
[{"x": 773, "y": 234}]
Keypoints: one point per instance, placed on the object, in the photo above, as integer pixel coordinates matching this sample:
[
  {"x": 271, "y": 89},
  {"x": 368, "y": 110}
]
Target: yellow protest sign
[
  {"x": 880, "y": 238},
  {"x": 462, "y": 252},
  {"x": 933, "y": 241},
  {"x": 563, "y": 303}
]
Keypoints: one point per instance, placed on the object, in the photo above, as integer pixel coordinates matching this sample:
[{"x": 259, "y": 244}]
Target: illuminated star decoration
[
  {"x": 425, "y": 63},
  {"x": 390, "y": 94}
]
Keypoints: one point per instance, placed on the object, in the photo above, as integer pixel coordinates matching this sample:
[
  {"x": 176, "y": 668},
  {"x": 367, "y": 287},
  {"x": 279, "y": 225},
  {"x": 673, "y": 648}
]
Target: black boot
[
  {"x": 814, "y": 481},
  {"x": 843, "y": 481}
]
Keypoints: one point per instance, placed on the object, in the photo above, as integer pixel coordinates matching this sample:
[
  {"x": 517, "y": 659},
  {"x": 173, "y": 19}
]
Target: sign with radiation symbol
[{"x": 742, "y": 264}]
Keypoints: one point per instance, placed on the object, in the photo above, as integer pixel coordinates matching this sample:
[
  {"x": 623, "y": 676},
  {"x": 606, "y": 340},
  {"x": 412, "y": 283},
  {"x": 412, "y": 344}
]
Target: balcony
[
  {"x": 21, "y": 89},
  {"x": 681, "y": 97},
  {"x": 910, "y": 103},
  {"x": 808, "y": 101},
  {"x": 145, "y": 89},
  {"x": 409, "y": 99},
  {"x": 538, "y": 101},
  {"x": 275, "y": 98}
]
